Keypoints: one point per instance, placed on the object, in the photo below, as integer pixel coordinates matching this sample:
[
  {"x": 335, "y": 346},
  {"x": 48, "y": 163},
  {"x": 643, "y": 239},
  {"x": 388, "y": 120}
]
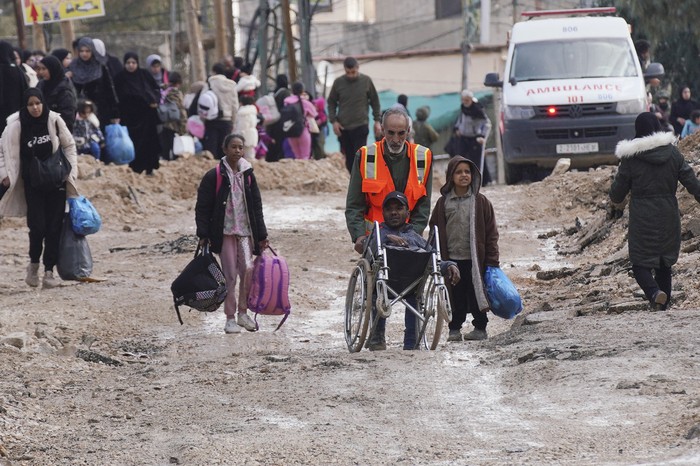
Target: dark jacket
[
  {"x": 13, "y": 83},
  {"x": 101, "y": 91},
  {"x": 650, "y": 169},
  {"x": 211, "y": 206},
  {"x": 62, "y": 100},
  {"x": 483, "y": 230}
]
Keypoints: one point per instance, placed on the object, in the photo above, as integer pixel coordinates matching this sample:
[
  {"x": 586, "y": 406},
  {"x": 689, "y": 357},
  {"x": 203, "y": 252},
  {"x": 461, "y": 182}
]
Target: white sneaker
[
  {"x": 50, "y": 281},
  {"x": 246, "y": 322},
  {"x": 32, "y": 278},
  {"x": 232, "y": 326}
]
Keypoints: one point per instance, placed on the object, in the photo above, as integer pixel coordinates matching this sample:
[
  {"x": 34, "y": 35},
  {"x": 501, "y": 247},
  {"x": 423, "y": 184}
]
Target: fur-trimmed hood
[{"x": 644, "y": 147}]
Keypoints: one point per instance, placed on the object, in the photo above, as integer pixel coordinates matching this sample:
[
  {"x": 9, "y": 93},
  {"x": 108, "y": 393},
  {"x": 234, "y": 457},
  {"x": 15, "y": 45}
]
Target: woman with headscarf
[
  {"x": 59, "y": 93},
  {"x": 681, "y": 109},
  {"x": 36, "y": 131},
  {"x": 650, "y": 168},
  {"x": 138, "y": 99},
  {"x": 64, "y": 56},
  {"x": 159, "y": 73},
  {"x": 93, "y": 82},
  {"x": 12, "y": 83}
]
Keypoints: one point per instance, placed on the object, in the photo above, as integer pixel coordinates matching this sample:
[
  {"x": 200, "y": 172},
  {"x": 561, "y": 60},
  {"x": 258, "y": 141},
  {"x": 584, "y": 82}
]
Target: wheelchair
[{"x": 387, "y": 277}]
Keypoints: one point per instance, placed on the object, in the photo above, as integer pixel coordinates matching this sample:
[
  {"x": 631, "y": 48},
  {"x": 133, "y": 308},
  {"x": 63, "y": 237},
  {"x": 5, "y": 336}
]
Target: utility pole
[
  {"x": 465, "y": 44},
  {"x": 38, "y": 41},
  {"x": 262, "y": 44},
  {"x": 173, "y": 31},
  {"x": 19, "y": 19},
  {"x": 67, "y": 34},
  {"x": 230, "y": 28},
  {"x": 220, "y": 23},
  {"x": 485, "y": 23},
  {"x": 289, "y": 39},
  {"x": 308, "y": 74},
  {"x": 194, "y": 35}
]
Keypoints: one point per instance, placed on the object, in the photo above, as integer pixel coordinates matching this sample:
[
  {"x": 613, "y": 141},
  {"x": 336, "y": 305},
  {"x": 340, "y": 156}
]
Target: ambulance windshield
[{"x": 576, "y": 59}]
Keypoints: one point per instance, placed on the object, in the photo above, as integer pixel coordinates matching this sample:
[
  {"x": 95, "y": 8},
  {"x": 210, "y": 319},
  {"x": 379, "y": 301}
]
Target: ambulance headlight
[
  {"x": 519, "y": 112},
  {"x": 625, "y": 107}
]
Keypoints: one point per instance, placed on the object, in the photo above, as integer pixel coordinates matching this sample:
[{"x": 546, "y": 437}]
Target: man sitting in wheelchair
[{"x": 395, "y": 233}]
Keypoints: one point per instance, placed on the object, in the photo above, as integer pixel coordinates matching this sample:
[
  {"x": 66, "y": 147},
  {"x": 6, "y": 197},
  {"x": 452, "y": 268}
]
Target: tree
[{"x": 671, "y": 27}]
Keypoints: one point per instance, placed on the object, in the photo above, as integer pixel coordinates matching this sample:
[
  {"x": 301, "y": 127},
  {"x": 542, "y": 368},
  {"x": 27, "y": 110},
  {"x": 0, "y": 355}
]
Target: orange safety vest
[{"x": 377, "y": 181}]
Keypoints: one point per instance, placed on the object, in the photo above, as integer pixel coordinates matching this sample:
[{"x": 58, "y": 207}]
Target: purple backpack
[{"x": 269, "y": 291}]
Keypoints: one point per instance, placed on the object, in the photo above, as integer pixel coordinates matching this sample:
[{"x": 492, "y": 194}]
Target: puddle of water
[{"x": 548, "y": 257}]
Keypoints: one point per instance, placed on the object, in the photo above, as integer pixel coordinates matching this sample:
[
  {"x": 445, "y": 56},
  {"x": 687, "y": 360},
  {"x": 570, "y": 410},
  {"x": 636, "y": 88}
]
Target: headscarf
[
  {"x": 61, "y": 54},
  {"x": 7, "y": 53},
  {"x": 55, "y": 71},
  {"x": 153, "y": 58},
  {"x": 101, "y": 51},
  {"x": 646, "y": 124},
  {"x": 31, "y": 127},
  {"x": 86, "y": 71},
  {"x": 138, "y": 82}
]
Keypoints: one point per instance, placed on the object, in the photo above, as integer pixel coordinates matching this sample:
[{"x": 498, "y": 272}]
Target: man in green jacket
[{"x": 348, "y": 100}]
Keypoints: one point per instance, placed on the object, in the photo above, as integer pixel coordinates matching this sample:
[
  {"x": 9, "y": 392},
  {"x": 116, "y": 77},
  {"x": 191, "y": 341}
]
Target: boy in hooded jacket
[{"x": 468, "y": 236}]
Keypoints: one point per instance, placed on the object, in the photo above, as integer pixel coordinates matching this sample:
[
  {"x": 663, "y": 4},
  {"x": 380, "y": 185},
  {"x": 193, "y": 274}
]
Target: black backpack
[
  {"x": 201, "y": 285},
  {"x": 292, "y": 120}
]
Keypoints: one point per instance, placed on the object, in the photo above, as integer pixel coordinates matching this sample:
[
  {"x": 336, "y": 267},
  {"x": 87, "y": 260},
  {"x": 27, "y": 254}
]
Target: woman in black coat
[
  {"x": 93, "y": 82},
  {"x": 58, "y": 91},
  {"x": 13, "y": 83},
  {"x": 650, "y": 168},
  {"x": 139, "y": 96},
  {"x": 681, "y": 109}
]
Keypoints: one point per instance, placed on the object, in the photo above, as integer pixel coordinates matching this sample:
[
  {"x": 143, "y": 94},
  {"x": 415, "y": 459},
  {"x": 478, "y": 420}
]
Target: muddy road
[{"x": 103, "y": 374}]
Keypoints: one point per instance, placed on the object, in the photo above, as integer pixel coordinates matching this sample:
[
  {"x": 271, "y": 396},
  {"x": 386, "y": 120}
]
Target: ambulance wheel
[{"x": 358, "y": 306}]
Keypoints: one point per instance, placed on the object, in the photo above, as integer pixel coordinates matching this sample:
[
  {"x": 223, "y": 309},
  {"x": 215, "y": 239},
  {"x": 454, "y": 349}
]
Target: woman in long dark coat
[
  {"x": 138, "y": 96},
  {"x": 681, "y": 109},
  {"x": 13, "y": 83},
  {"x": 58, "y": 91},
  {"x": 93, "y": 82},
  {"x": 650, "y": 168}
]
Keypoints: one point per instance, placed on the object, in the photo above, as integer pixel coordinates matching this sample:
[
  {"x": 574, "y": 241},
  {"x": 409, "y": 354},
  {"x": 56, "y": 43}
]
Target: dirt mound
[
  {"x": 599, "y": 237},
  {"x": 121, "y": 195}
]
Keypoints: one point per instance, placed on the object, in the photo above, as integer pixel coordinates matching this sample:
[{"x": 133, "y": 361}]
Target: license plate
[{"x": 577, "y": 148}]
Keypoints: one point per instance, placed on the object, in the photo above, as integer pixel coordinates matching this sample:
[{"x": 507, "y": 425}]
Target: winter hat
[{"x": 646, "y": 124}]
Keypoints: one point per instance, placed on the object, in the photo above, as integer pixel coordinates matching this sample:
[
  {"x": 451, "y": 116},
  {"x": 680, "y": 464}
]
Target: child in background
[
  {"x": 468, "y": 236},
  {"x": 247, "y": 84},
  {"x": 89, "y": 140},
  {"x": 230, "y": 219},
  {"x": 173, "y": 94},
  {"x": 424, "y": 133},
  {"x": 691, "y": 124},
  {"x": 247, "y": 125}
]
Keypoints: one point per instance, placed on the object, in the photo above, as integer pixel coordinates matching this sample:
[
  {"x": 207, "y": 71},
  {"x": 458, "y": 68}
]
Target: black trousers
[
  {"x": 650, "y": 284},
  {"x": 350, "y": 142},
  {"x": 45, "y": 211},
  {"x": 463, "y": 300},
  {"x": 215, "y": 131}
]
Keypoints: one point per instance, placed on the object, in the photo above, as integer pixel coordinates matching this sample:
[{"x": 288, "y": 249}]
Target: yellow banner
[{"x": 51, "y": 11}]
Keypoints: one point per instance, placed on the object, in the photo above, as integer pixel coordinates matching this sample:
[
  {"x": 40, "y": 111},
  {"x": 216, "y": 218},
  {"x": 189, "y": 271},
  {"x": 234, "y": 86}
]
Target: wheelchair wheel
[
  {"x": 429, "y": 337},
  {"x": 358, "y": 306}
]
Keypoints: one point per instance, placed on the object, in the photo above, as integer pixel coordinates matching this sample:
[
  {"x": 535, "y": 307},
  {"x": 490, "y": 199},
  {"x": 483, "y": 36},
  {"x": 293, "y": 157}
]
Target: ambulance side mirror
[{"x": 492, "y": 80}]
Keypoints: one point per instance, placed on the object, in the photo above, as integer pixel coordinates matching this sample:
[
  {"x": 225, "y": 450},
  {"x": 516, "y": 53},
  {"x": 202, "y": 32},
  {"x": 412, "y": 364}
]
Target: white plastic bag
[{"x": 183, "y": 144}]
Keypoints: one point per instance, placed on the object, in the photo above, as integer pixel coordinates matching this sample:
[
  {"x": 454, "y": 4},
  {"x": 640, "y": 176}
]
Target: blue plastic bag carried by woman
[
  {"x": 503, "y": 296},
  {"x": 120, "y": 148},
  {"x": 84, "y": 216}
]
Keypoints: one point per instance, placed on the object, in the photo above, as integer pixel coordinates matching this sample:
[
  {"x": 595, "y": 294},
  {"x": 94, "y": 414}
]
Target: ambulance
[{"x": 572, "y": 88}]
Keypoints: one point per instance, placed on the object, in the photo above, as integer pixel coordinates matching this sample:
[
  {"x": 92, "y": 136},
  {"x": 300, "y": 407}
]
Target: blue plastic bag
[
  {"x": 503, "y": 296},
  {"x": 120, "y": 148},
  {"x": 84, "y": 216}
]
